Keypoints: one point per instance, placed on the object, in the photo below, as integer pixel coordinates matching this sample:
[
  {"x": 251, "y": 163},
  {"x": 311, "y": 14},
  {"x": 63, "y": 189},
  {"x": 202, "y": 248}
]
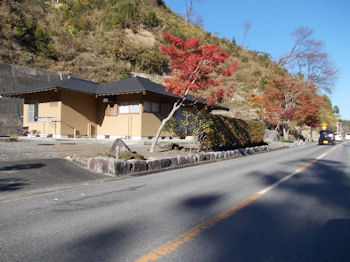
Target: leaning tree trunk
[
  {"x": 285, "y": 133},
  {"x": 176, "y": 106}
]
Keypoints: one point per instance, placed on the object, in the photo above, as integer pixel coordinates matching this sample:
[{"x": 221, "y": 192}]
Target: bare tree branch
[
  {"x": 307, "y": 59},
  {"x": 190, "y": 14},
  {"x": 247, "y": 26}
]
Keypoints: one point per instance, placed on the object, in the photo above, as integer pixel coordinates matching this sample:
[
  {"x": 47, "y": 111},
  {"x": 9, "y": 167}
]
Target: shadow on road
[
  {"x": 201, "y": 202},
  {"x": 12, "y": 184},
  {"x": 21, "y": 167},
  {"x": 303, "y": 219}
]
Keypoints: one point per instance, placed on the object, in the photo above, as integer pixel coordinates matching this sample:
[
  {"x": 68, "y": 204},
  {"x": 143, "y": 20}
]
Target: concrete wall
[
  {"x": 13, "y": 77},
  {"x": 49, "y": 112},
  {"x": 78, "y": 112},
  {"x": 123, "y": 124},
  {"x": 49, "y": 118}
]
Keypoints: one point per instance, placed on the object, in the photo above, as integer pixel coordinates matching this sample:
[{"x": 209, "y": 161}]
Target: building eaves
[{"x": 126, "y": 86}]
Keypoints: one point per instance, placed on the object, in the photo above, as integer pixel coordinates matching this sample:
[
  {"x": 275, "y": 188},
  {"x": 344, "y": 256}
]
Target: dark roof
[
  {"x": 126, "y": 86},
  {"x": 132, "y": 85},
  {"x": 72, "y": 83}
]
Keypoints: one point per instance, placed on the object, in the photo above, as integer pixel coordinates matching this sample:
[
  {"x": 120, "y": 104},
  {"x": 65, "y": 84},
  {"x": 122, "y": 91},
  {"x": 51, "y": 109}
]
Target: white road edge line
[{"x": 284, "y": 179}]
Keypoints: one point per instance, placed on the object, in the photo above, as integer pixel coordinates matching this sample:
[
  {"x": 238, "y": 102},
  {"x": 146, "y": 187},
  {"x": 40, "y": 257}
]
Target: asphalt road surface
[
  {"x": 285, "y": 205},
  {"x": 29, "y": 177}
]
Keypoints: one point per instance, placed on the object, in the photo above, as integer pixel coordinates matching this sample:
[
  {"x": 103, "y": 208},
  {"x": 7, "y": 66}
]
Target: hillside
[
  {"x": 109, "y": 40},
  {"x": 113, "y": 39}
]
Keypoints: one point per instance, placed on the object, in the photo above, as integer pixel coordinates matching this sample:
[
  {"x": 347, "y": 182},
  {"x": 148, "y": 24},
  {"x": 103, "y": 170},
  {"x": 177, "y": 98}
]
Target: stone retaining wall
[
  {"x": 117, "y": 167},
  {"x": 14, "y": 77}
]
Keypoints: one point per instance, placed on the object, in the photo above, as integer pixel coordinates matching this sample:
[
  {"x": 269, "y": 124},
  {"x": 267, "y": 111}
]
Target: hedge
[{"x": 219, "y": 132}]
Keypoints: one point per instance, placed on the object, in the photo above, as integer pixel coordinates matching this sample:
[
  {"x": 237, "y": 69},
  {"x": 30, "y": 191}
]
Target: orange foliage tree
[{"x": 285, "y": 100}]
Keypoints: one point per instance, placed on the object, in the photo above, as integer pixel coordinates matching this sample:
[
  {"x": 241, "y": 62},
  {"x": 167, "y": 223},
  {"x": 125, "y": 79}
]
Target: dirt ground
[
  {"x": 46, "y": 148},
  {"x": 43, "y": 148}
]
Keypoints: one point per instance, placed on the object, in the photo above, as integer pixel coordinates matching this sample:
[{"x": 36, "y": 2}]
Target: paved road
[
  {"x": 28, "y": 177},
  {"x": 223, "y": 211}
]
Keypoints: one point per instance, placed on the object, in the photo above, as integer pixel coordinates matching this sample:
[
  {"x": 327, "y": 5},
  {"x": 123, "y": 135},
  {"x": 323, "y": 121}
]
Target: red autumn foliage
[{"x": 196, "y": 68}]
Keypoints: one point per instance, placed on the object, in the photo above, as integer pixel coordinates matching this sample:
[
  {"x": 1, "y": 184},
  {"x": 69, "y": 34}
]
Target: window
[
  {"x": 125, "y": 108},
  {"x": 33, "y": 112},
  {"x": 165, "y": 109},
  {"x": 146, "y": 106},
  {"x": 112, "y": 110},
  {"x": 134, "y": 108},
  {"x": 155, "y": 108},
  {"x": 151, "y": 107}
]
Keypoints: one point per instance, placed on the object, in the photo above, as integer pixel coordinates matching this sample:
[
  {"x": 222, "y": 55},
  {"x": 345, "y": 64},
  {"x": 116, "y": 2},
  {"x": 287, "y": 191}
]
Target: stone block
[
  {"x": 121, "y": 167},
  {"x": 137, "y": 165},
  {"x": 203, "y": 157},
  {"x": 80, "y": 160},
  {"x": 212, "y": 155},
  {"x": 174, "y": 161},
  {"x": 232, "y": 153},
  {"x": 165, "y": 162},
  {"x": 240, "y": 152},
  {"x": 153, "y": 164},
  {"x": 191, "y": 158},
  {"x": 218, "y": 155},
  {"x": 182, "y": 160},
  {"x": 101, "y": 165}
]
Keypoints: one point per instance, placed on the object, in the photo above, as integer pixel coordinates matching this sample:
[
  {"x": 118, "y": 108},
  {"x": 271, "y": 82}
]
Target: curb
[{"x": 137, "y": 167}]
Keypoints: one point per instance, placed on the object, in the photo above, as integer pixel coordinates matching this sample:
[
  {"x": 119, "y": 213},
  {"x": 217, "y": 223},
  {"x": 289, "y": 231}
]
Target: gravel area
[{"x": 48, "y": 148}]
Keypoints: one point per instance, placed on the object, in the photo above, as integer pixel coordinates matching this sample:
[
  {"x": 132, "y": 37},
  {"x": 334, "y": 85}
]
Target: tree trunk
[
  {"x": 274, "y": 132},
  {"x": 176, "y": 106},
  {"x": 285, "y": 133},
  {"x": 311, "y": 129}
]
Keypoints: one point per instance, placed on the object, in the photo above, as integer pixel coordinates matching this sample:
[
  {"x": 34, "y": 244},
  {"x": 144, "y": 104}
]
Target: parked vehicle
[
  {"x": 326, "y": 137},
  {"x": 338, "y": 136},
  {"x": 347, "y": 136}
]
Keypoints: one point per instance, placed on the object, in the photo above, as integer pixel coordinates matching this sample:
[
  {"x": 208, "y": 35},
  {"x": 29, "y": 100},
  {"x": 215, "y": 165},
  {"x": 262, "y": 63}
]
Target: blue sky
[{"x": 272, "y": 21}]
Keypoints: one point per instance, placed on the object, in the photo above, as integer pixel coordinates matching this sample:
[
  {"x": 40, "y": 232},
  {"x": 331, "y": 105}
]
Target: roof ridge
[{"x": 80, "y": 79}]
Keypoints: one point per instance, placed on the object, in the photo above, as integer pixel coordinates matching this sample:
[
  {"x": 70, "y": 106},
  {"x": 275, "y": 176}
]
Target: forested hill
[{"x": 113, "y": 39}]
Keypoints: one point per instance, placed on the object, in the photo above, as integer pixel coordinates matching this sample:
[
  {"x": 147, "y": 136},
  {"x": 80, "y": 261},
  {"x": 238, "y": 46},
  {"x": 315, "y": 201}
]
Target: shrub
[
  {"x": 13, "y": 138},
  {"x": 139, "y": 156},
  {"x": 126, "y": 155},
  {"x": 171, "y": 126},
  {"x": 35, "y": 37},
  {"x": 150, "y": 18},
  {"x": 219, "y": 132},
  {"x": 124, "y": 13}
]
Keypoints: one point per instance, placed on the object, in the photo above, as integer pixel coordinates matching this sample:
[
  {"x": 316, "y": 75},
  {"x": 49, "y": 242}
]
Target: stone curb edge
[{"x": 137, "y": 167}]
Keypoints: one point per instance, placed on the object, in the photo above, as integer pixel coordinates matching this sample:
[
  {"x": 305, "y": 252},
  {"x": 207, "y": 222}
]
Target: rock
[{"x": 122, "y": 147}]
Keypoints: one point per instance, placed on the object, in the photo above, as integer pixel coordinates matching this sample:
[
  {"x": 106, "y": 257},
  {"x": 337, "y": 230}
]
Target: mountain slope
[{"x": 113, "y": 39}]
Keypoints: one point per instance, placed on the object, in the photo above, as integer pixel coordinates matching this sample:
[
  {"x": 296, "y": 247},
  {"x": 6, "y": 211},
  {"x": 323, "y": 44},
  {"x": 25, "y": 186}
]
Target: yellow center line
[{"x": 189, "y": 235}]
